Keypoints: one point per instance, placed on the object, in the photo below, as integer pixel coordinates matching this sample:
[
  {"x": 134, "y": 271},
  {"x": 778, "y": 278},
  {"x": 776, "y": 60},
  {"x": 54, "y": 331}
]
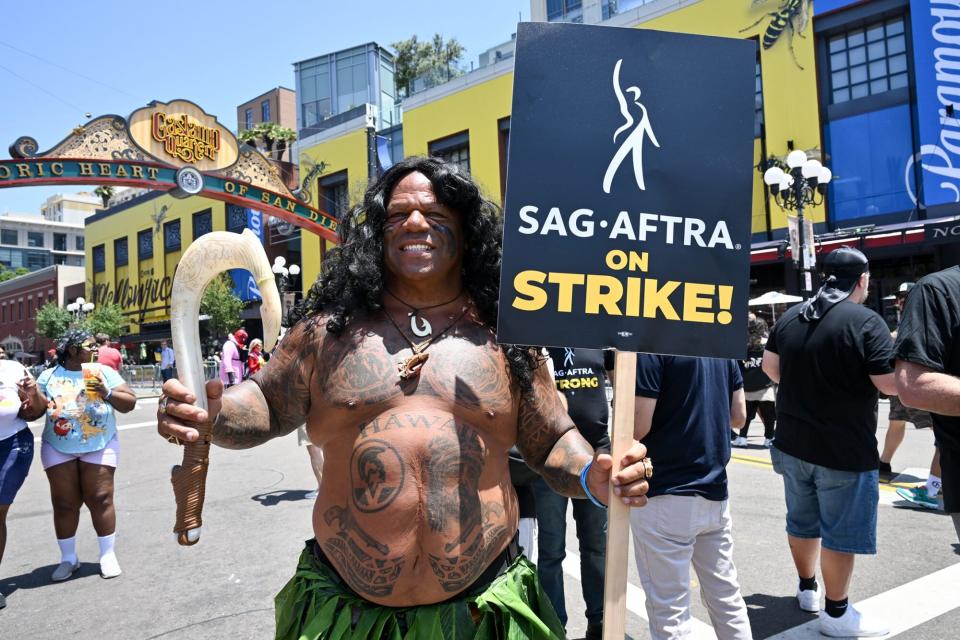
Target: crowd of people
[{"x": 445, "y": 463}]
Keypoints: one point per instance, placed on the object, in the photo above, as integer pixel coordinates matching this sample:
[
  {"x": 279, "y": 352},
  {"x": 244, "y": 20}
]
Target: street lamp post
[
  {"x": 803, "y": 183},
  {"x": 286, "y": 278},
  {"x": 80, "y": 308}
]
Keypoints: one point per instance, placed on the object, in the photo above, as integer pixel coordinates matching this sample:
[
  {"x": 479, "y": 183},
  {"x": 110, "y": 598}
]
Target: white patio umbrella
[{"x": 774, "y": 298}]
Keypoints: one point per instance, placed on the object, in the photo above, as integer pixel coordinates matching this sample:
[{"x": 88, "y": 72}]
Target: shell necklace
[
  {"x": 416, "y": 328},
  {"x": 410, "y": 367}
]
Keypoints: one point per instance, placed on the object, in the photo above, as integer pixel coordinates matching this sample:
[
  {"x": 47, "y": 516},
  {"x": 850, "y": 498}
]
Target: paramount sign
[{"x": 942, "y": 232}]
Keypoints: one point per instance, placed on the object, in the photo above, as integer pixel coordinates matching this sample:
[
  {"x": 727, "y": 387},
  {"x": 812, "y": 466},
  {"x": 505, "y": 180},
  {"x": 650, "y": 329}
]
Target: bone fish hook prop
[{"x": 207, "y": 257}]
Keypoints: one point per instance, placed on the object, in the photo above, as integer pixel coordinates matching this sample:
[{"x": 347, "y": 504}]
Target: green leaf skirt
[{"x": 316, "y": 605}]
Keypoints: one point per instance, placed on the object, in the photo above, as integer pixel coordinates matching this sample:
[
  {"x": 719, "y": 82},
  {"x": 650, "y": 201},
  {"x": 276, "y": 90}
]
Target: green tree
[
  {"x": 53, "y": 320},
  {"x": 9, "y": 274},
  {"x": 104, "y": 192},
  {"x": 221, "y": 305},
  {"x": 108, "y": 319},
  {"x": 436, "y": 61},
  {"x": 271, "y": 135}
]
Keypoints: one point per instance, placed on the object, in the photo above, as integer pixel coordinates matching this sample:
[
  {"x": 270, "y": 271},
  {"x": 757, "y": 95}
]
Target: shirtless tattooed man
[{"x": 395, "y": 370}]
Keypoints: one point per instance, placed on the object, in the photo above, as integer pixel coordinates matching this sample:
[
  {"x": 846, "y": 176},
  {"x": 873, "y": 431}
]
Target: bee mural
[{"x": 792, "y": 17}]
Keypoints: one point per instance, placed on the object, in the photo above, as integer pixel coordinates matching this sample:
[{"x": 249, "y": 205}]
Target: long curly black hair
[{"x": 351, "y": 278}]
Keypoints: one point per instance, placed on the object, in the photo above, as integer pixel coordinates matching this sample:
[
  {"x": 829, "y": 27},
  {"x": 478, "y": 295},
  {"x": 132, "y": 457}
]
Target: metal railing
[{"x": 144, "y": 376}]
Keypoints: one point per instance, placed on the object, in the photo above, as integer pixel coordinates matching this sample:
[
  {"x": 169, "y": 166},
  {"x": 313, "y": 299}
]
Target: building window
[
  {"x": 236, "y": 218},
  {"x": 565, "y": 11},
  {"x": 867, "y": 61},
  {"x": 353, "y": 83},
  {"x": 8, "y": 236},
  {"x": 79, "y": 243},
  {"x": 265, "y": 111},
  {"x": 120, "y": 253},
  {"x": 315, "y": 92},
  {"x": 202, "y": 223},
  {"x": 171, "y": 236},
  {"x": 99, "y": 259},
  {"x": 144, "y": 244},
  {"x": 248, "y": 118},
  {"x": 454, "y": 149},
  {"x": 611, "y": 8},
  {"x": 29, "y": 308},
  {"x": 34, "y": 238},
  {"x": 20, "y": 310},
  {"x": 59, "y": 242},
  {"x": 334, "y": 198}
]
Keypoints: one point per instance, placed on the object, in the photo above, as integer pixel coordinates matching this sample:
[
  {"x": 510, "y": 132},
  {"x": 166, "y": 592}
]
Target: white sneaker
[
  {"x": 64, "y": 570},
  {"x": 768, "y": 442},
  {"x": 809, "y": 599},
  {"x": 852, "y": 624},
  {"x": 740, "y": 441},
  {"x": 109, "y": 567}
]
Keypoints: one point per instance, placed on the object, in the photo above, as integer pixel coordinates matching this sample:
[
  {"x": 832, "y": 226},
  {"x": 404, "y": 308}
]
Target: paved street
[{"x": 256, "y": 519}]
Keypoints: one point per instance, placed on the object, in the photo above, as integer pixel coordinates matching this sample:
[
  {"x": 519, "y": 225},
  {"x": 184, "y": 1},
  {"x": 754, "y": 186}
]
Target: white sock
[
  {"x": 68, "y": 549},
  {"x": 933, "y": 486},
  {"x": 106, "y": 544}
]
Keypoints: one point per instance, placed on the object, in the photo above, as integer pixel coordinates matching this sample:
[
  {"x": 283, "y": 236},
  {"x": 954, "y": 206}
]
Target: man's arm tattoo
[
  {"x": 244, "y": 418},
  {"x": 566, "y": 460},
  {"x": 548, "y": 439},
  {"x": 285, "y": 381}
]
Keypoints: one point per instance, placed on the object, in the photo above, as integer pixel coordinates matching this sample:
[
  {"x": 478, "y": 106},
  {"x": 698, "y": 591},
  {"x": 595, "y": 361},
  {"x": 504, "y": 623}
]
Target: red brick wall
[{"x": 18, "y": 313}]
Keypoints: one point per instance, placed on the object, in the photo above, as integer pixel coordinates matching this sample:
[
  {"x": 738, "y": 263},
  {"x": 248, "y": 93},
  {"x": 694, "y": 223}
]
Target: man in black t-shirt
[
  {"x": 928, "y": 363},
  {"x": 685, "y": 408},
  {"x": 830, "y": 356},
  {"x": 580, "y": 375}
]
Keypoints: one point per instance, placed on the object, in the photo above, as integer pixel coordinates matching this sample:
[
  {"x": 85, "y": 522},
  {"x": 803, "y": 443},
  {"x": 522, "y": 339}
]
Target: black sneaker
[{"x": 3, "y": 601}]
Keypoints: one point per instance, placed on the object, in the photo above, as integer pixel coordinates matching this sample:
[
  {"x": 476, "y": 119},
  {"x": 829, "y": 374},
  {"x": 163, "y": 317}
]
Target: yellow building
[
  {"x": 467, "y": 120},
  {"x": 132, "y": 251}
]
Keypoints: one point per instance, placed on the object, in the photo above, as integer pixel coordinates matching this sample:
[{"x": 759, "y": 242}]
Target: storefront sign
[
  {"x": 936, "y": 47},
  {"x": 942, "y": 232},
  {"x": 174, "y": 147},
  {"x": 25, "y": 172},
  {"x": 627, "y": 216},
  {"x": 182, "y": 133},
  {"x": 147, "y": 294}
]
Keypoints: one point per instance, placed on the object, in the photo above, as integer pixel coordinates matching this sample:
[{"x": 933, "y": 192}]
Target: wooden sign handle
[{"x": 618, "y": 514}]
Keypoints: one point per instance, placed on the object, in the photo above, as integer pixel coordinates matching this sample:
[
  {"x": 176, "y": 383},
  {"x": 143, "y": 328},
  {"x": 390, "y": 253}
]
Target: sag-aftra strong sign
[{"x": 627, "y": 215}]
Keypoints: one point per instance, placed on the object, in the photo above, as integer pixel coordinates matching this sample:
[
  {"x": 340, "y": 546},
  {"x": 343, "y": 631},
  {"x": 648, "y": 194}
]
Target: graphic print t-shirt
[
  {"x": 76, "y": 424},
  {"x": 580, "y": 375},
  {"x": 11, "y": 372}
]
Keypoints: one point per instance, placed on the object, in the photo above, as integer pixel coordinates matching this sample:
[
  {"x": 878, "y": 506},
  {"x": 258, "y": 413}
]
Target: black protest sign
[{"x": 629, "y": 186}]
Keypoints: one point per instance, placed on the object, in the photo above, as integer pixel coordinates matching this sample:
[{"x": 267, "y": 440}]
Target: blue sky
[{"x": 60, "y": 60}]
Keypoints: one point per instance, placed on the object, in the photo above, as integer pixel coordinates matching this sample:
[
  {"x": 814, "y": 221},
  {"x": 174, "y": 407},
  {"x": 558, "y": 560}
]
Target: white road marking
[
  {"x": 636, "y": 599},
  {"x": 903, "y": 607}
]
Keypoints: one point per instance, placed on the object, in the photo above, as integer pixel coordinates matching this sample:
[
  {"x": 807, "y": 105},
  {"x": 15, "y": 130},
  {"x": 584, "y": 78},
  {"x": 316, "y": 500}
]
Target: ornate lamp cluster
[
  {"x": 286, "y": 276},
  {"x": 802, "y": 182},
  {"x": 80, "y": 308}
]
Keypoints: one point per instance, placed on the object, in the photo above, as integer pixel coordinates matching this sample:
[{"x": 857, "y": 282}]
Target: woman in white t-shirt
[
  {"x": 80, "y": 448},
  {"x": 20, "y": 400}
]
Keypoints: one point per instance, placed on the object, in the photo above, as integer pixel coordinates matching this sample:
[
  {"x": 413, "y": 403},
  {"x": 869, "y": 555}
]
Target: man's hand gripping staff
[{"x": 203, "y": 261}]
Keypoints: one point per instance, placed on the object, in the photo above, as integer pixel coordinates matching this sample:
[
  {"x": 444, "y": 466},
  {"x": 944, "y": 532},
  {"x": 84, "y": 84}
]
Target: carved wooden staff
[{"x": 204, "y": 260}]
